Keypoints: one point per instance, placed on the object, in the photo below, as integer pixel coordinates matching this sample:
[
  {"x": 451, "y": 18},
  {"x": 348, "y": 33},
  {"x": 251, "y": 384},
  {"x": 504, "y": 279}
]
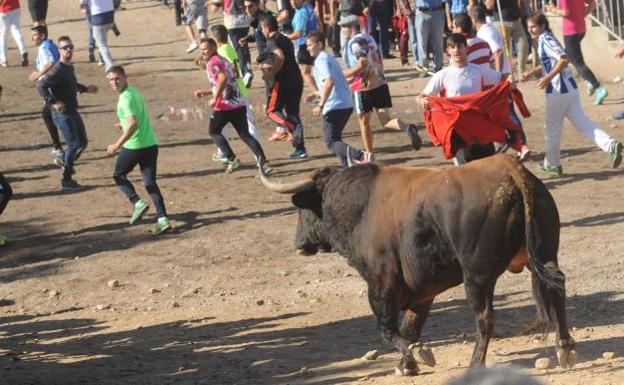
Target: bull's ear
[{"x": 310, "y": 200}]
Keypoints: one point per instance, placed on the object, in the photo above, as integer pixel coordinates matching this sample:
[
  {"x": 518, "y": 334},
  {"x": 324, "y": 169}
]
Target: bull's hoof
[
  {"x": 405, "y": 371},
  {"x": 566, "y": 357},
  {"x": 566, "y": 353},
  {"x": 424, "y": 355}
]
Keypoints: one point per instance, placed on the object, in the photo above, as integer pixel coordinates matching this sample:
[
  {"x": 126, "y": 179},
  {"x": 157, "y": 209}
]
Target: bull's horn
[
  {"x": 349, "y": 160},
  {"x": 286, "y": 188}
]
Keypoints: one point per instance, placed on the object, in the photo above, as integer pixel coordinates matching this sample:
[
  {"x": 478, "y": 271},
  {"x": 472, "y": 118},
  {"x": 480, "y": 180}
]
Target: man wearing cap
[
  {"x": 47, "y": 56},
  {"x": 368, "y": 83}
]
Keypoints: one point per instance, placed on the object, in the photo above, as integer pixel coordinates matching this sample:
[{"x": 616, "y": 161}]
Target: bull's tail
[{"x": 548, "y": 281}]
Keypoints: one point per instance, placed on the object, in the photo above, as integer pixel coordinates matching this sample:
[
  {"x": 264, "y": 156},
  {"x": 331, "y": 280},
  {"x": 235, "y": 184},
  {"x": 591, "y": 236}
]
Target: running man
[
  {"x": 369, "y": 86},
  {"x": 227, "y": 106},
  {"x": 562, "y": 100},
  {"x": 47, "y": 56},
  {"x": 226, "y": 51},
  {"x": 336, "y": 104},
  {"x": 59, "y": 88},
  {"x": 287, "y": 85},
  {"x": 137, "y": 144}
]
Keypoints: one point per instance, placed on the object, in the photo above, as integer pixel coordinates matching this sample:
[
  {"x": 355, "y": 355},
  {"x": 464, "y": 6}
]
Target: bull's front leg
[
  {"x": 414, "y": 320},
  {"x": 387, "y": 313}
]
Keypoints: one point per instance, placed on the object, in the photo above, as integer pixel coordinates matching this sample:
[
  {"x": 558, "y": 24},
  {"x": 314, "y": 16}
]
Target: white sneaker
[
  {"x": 247, "y": 79},
  {"x": 192, "y": 47}
]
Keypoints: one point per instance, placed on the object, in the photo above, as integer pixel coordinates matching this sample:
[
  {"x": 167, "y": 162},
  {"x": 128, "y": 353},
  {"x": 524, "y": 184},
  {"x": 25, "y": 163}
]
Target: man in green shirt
[{"x": 136, "y": 145}]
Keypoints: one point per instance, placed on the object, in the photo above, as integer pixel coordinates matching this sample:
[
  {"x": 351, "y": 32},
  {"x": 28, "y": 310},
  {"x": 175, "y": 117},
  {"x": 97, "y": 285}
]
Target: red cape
[{"x": 482, "y": 118}]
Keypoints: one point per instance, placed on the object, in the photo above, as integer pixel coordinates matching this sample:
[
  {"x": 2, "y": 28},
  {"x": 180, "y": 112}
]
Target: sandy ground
[{"x": 224, "y": 299}]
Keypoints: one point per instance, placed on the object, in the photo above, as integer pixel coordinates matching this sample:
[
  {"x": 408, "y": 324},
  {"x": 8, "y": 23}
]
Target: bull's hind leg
[
  {"x": 549, "y": 293},
  {"x": 481, "y": 299},
  {"x": 387, "y": 314}
]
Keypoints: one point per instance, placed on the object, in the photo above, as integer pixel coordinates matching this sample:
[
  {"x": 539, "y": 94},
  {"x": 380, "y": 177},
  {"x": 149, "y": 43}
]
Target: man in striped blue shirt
[{"x": 562, "y": 99}]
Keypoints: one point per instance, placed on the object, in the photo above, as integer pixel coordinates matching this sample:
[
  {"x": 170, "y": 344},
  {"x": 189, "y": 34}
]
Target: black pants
[
  {"x": 146, "y": 158},
  {"x": 46, "y": 114},
  {"x": 238, "y": 118},
  {"x": 5, "y": 192},
  {"x": 573, "y": 49},
  {"x": 333, "y": 125},
  {"x": 467, "y": 153},
  {"x": 286, "y": 96},
  {"x": 38, "y": 9}
]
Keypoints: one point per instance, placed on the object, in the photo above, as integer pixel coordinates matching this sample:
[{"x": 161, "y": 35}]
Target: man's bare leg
[{"x": 365, "y": 130}]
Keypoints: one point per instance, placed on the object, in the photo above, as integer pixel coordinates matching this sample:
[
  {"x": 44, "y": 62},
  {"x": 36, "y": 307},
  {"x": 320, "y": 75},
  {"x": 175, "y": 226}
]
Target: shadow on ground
[{"x": 259, "y": 350}]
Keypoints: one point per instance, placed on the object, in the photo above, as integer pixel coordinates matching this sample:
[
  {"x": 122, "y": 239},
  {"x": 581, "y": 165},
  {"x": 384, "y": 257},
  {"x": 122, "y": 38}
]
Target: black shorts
[
  {"x": 303, "y": 56},
  {"x": 38, "y": 9},
  {"x": 366, "y": 101}
]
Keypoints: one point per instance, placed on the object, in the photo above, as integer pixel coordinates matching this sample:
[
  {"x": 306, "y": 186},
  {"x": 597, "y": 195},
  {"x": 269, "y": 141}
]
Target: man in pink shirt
[{"x": 573, "y": 13}]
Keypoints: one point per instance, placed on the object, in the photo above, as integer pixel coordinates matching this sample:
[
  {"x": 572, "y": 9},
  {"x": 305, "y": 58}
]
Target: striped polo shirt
[
  {"x": 479, "y": 51},
  {"x": 550, "y": 52}
]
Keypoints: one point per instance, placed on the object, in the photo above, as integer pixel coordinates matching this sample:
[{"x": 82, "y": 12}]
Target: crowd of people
[{"x": 336, "y": 50}]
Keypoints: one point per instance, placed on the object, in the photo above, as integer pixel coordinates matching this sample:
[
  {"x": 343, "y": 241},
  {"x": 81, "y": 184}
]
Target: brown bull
[{"x": 412, "y": 233}]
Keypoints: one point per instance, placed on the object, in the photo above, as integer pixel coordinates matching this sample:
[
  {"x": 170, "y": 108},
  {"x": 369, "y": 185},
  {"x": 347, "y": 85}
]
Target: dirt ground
[{"x": 225, "y": 299}]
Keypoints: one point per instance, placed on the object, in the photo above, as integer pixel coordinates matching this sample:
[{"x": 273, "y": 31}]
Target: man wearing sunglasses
[{"x": 59, "y": 89}]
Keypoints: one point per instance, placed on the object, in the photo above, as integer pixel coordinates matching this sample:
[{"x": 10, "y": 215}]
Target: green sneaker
[
  {"x": 264, "y": 165},
  {"x": 232, "y": 165},
  {"x": 161, "y": 226},
  {"x": 615, "y": 152},
  {"x": 140, "y": 208},
  {"x": 601, "y": 94},
  {"x": 3, "y": 240},
  {"x": 551, "y": 170},
  {"x": 219, "y": 158},
  {"x": 590, "y": 88}
]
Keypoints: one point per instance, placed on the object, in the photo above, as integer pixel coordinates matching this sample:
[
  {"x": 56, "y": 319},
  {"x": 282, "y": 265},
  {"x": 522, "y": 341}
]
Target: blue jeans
[
  {"x": 379, "y": 14},
  {"x": 73, "y": 130},
  {"x": 91, "y": 43},
  {"x": 430, "y": 31},
  {"x": 411, "y": 30}
]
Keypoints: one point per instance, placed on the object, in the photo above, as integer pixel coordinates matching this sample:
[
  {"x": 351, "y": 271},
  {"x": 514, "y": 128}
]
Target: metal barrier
[{"x": 608, "y": 15}]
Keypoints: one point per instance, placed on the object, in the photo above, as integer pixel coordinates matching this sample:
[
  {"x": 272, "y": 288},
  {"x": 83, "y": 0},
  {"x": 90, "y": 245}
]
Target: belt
[{"x": 427, "y": 9}]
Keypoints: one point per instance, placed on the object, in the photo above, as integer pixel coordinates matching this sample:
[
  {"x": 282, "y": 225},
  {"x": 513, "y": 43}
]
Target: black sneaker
[
  {"x": 412, "y": 132},
  {"x": 298, "y": 154},
  {"x": 70, "y": 185},
  {"x": 25, "y": 59}
]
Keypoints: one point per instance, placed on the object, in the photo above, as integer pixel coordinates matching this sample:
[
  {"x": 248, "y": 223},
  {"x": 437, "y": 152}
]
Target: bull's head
[{"x": 307, "y": 195}]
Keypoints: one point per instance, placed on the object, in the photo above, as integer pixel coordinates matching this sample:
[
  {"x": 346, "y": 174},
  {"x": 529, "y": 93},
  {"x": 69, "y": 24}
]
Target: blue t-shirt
[
  {"x": 458, "y": 6},
  {"x": 305, "y": 22},
  {"x": 326, "y": 67},
  {"x": 48, "y": 53}
]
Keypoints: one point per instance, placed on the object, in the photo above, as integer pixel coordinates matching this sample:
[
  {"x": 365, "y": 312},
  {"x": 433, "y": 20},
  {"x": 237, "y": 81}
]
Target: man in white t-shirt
[{"x": 461, "y": 78}]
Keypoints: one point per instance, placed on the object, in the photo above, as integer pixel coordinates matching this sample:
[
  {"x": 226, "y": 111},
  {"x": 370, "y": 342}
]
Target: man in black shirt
[
  {"x": 252, "y": 8},
  {"x": 287, "y": 84},
  {"x": 59, "y": 89}
]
